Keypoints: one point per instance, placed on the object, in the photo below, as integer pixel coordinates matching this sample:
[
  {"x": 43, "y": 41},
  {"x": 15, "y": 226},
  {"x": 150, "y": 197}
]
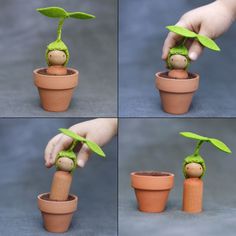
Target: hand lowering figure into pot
[{"x": 67, "y": 150}]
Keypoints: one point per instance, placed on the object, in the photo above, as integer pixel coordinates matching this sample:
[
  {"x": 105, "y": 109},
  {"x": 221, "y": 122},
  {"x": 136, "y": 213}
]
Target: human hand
[
  {"x": 211, "y": 20},
  {"x": 99, "y": 131}
]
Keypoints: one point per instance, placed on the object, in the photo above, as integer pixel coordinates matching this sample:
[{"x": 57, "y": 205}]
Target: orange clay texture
[
  {"x": 192, "y": 195},
  {"x": 178, "y": 74},
  {"x": 60, "y": 186},
  {"x": 57, "y": 70}
]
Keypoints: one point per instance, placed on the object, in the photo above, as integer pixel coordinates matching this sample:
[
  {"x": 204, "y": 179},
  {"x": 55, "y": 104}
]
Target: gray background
[
  {"x": 24, "y": 36},
  {"x": 23, "y": 176},
  {"x": 141, "y": 36},
  {"x": 154, "y": 144}
]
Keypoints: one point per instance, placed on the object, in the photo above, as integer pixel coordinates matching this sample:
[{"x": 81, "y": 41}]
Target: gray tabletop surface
[
  {"x": 23, "y": 176},
  {"x": 142, "y": 33},
  {"x": 24, "y": 35},
  {"x": 154, "y": 144}
]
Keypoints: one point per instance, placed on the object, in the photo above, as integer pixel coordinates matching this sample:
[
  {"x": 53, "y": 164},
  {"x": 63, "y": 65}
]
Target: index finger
[
  {"x": 171, "y": 40},
  {"x": 62, "y": 144},
  {"x": 49, "y": 149}
]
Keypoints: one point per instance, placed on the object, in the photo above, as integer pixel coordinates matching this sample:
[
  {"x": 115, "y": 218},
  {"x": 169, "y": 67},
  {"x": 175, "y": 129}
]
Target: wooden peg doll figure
[{"x": 194, "y": 169}]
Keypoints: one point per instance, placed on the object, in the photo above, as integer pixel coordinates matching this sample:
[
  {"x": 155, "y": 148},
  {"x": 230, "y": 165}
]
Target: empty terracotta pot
[
  {"x": 55, "y": 91},
  {"x": 57, "y": 215},
  {"x": 176, "y": 94},
  {"x": 192, "y": 195},
  {"x": 152, "y": 189}
]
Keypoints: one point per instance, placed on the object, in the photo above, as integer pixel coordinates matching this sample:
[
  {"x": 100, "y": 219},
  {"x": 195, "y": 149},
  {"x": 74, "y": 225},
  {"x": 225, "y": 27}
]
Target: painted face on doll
[
  {"x": 65, "y": 164},
  {"x": 194, "y": 170},
  {"x": 56, "y": 57},
  {"x": 178, "y": 61}
]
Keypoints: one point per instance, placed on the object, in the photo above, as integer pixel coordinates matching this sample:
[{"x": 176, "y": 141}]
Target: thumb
[
  {"x": 196, "y": 48},
  {"x": 83, "y": 155}
]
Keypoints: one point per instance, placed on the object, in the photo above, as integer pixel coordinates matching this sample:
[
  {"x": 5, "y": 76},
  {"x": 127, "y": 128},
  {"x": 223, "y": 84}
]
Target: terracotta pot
[
  {"x": 55, "y": 91},
  {"x": 57, "y": 215},
  {"x": 152, "y": 189},
  {"x": 176, "y": 94},
  {"x": 192, "y": 195}
]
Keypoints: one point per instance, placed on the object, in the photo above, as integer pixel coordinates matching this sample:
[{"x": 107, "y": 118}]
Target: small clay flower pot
[
  {"x": 176, "y": 94},
  {"x": 152, "y": 189},
  {"x": 55, "y": 91},
  {"x": 57, "y": 215}
]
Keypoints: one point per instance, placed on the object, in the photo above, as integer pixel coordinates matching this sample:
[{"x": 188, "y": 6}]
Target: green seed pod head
[
  {"x": 194, "y": 159},
  {"x": 69, "y": 154},
  {"x": 179, "y": 50},
  {"x": 57, "y": 45}
]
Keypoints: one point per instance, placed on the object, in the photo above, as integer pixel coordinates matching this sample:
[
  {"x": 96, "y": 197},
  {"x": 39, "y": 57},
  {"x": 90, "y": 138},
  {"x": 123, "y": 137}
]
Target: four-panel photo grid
[{"x": 118, "y": 117}]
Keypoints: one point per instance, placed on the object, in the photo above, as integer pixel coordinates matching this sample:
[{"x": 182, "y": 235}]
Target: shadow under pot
[
  {"x": 176, "y": 94},
  {"x": 152, "y": 189},
  {"x": 57, "y": 215},
  {"x": 55, "y": 91}
]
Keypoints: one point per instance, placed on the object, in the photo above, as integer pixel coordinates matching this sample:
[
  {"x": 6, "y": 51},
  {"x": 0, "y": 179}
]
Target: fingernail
[
  {"x": 163, "y": 56},
  {"x": 80, "y": 163},
  {"x": 193, "y": 56}
]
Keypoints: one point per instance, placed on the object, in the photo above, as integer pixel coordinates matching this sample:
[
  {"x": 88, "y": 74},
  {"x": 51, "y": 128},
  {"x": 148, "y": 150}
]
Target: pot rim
[
  {"x": 158, "y": 74},
  {"x": 162, "y": 173},
  {"x": 56, "y": 82},
  {"x": 57, "y": 207},
  {"x": 177, "y": 85},
  {"x": 76, "y": 72},
  {"x": 164, "y": 181}
]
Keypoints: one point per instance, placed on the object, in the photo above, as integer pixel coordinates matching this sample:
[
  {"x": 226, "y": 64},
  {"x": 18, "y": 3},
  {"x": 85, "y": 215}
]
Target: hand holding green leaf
[
  {"x": 92, "y": 146},
  {"x": 181, "y": 48},
  {"x": 63, "y": 156},
  {"x": 205, "y": 41}
]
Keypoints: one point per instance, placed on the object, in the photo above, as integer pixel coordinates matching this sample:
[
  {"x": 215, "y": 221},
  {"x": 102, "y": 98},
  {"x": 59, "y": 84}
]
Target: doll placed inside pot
[
  {"x": 58, "y": 206},
  {"x": 56, "y": 60},
  {"x": 56, "y": 83},
  {"x": 178, "y": 62},
  {"x": 177, "y": 86}
]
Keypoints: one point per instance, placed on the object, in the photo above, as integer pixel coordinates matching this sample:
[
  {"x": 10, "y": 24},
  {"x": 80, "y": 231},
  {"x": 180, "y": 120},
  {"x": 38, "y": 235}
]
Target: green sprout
[
  {"x": 69, "y": 153},
  {"x": 195, "y": 157},
  {"x": 61, "y": 14},
  {"x": 188, "y": 34}
]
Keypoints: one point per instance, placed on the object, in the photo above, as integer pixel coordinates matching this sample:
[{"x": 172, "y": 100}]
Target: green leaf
[
  {"x": 54, "y": 12},
  {"x": 207, "y": 42},
  {"x": 80, "y": 15},
  {"x": 181, "y": 31},
  {"x": 95, "y": 148},
  {"x": 72, "y": 135},
  {"x": 194, "y": 136},
  {"x": 220, "y": 145}
]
